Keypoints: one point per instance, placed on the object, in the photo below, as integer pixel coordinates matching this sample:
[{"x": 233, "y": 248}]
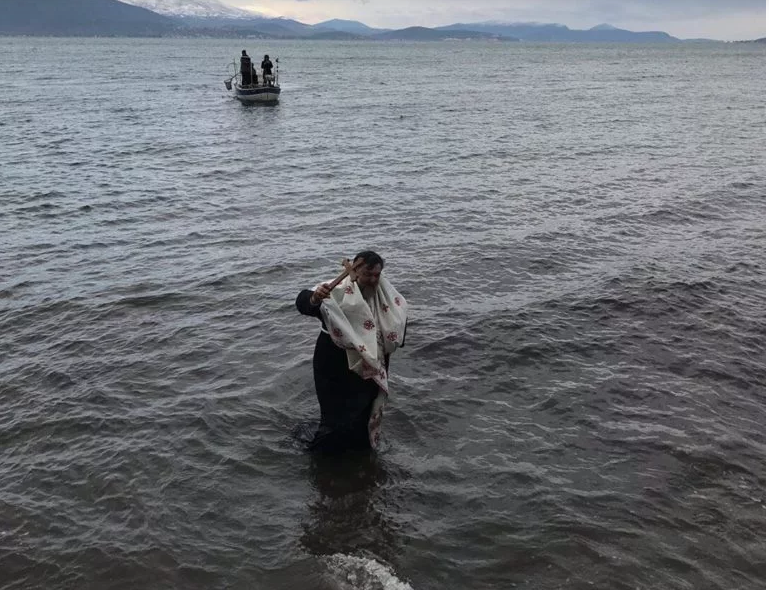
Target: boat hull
[{"x": 257, "y": 93}]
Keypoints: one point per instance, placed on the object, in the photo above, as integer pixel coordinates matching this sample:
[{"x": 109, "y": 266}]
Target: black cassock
[
  {"x": 345, "y": 398},
  {"x": 245, "y": 70}
]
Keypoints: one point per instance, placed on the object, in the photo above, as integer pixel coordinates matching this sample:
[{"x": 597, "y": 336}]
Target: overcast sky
[{"x": 714, "y": 19}]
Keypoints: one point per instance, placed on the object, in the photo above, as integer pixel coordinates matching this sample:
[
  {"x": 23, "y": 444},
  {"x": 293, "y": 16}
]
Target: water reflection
[{"x": 348, "y": 513}]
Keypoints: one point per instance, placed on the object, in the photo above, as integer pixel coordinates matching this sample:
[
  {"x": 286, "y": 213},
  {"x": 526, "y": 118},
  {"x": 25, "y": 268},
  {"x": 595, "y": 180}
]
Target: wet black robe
[{"x": 345, "y": 398}]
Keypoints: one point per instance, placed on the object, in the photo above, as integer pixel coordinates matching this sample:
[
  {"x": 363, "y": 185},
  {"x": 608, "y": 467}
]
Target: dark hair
[
  {"x": 244, "y": 52},
  {"x": 370, "y": 258}
]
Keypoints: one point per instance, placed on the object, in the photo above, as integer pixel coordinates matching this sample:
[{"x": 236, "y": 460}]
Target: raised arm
[{"x": 307, "y": 307}]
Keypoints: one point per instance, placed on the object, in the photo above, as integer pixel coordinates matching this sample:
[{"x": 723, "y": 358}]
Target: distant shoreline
[{"x": 393, "y": 40}]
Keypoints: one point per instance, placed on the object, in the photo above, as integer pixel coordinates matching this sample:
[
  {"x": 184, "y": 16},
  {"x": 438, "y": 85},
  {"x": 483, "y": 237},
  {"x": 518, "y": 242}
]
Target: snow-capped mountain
[{"x": 194, "y": 8}]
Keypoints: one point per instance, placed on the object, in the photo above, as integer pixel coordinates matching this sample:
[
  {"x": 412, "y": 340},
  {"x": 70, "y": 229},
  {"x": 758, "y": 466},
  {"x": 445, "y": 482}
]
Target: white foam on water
[{"x": 361, "y": 573}]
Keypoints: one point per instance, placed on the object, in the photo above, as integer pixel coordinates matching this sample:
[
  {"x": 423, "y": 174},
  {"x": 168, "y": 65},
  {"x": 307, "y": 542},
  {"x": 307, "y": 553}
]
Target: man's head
[
  {"x": 266, "y": 56},
  {"x": 244, "y": 52},
  {"x": 370, "y": 270}
]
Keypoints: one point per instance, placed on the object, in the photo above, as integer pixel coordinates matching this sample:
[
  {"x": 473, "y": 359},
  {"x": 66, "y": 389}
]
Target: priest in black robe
[{"x": 345, "y": 398}]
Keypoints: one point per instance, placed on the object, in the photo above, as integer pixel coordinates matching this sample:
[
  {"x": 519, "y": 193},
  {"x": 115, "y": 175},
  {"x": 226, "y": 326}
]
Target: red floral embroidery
[
  {"x": 385, "y": 308},
  {"x": 337, "y": 332},
  {"x": 361, "y": 348},
  {"x": 348, "y": 290},
  {"x": 397, "y": 301},
  {"x": 369, "y": 325},
  {"x": 392, "y": 336}
]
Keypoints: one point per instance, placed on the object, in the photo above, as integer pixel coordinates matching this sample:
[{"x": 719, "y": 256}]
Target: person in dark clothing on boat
[
  {"x": 245, "y": 69},
  {"x": 254, "y": 77},
  {"x": 267, "y": 70},
  {"x": 345, "y": 397}
]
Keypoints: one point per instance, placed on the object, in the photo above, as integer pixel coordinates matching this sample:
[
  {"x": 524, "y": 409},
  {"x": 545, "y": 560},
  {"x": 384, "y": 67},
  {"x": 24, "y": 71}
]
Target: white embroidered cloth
[{"x": 368, "y": 329}]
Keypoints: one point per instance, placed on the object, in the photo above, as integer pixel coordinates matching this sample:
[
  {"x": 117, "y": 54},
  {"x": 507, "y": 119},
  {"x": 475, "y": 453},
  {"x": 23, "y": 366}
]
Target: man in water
[
  {"x": 245, "y": 69},
  {"x": 363, "y": 320}
]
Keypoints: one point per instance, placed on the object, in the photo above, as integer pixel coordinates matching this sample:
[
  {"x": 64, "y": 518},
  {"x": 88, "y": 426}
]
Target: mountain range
[
  {"x": 138, "y": 18},
  {"x": 81, "y": 18}
]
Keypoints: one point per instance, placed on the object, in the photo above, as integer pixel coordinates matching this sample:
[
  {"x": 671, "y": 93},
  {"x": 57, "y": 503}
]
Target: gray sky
[{"x": 715, "y": 19}]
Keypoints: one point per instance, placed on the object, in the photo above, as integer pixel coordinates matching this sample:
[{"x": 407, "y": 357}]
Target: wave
[{"x": 361, "y": 573}]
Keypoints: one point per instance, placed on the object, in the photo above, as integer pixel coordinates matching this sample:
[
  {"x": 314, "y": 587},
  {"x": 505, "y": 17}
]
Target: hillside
[
  {"x": 425, "y": 34},
  {"x": 560, "y": 33},
  {"x": 246, "y": 27},
  {"x": 349, "y": 26},
  {"x": 198, "y": 8},
  {"x": 80, "y": 18}
]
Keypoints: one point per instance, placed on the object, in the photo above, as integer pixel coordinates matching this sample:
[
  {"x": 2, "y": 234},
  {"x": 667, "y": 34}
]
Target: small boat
[{"x": 262, "y": 89}]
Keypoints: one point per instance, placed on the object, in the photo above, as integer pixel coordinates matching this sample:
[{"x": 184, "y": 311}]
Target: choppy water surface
[{"x": 580, "y": 232}]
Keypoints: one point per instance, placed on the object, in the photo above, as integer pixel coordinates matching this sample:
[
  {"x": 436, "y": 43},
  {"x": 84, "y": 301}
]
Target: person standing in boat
[
  {"x": 254, "y": 77},
  {"x": 267, "y": 70},
  {"x": 363, "y": 321},
  {"x": 245, "y": 69}
]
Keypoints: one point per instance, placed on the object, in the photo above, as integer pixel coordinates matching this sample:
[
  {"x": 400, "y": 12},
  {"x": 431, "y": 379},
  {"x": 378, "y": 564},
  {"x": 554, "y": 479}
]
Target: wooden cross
[{"x": 349, "y": 269}]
